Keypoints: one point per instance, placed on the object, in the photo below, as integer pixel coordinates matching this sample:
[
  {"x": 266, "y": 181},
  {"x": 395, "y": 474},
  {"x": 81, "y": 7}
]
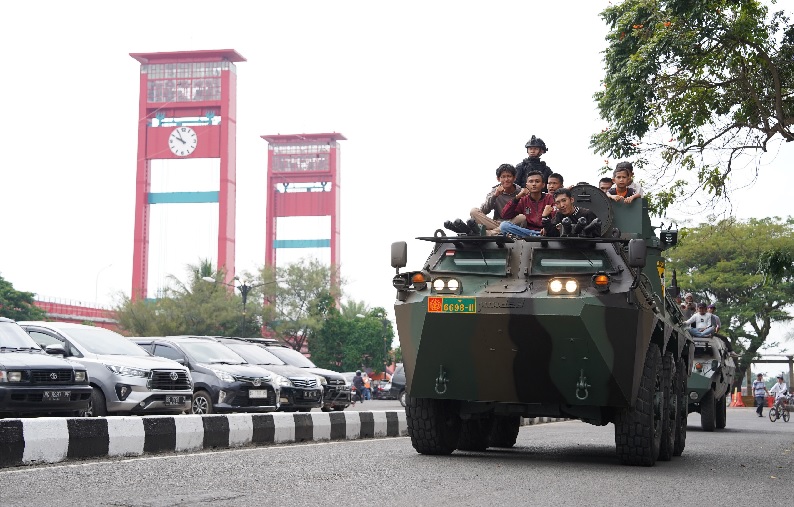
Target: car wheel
[
  {"x": 339, "y": 408},
  {"x": 325, "y": 408},
  {"x": 202, "y": 403},
  {"x": 96, "y": 405},
  {"x": 402, "y": 398}
]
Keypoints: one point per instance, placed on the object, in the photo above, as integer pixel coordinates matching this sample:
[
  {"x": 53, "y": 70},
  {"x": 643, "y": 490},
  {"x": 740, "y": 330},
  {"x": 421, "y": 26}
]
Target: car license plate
[
  {"x": 56, "y": 395},
  {"x": 451, "y": 305},
  {"x": 257, "y": 393},
  {"x": 311, "y": 394},
  {"x": 175, "y": 400}
]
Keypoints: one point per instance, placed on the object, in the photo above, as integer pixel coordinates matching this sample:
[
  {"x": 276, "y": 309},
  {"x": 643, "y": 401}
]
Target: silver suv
[{"x": 125, "y": 378}]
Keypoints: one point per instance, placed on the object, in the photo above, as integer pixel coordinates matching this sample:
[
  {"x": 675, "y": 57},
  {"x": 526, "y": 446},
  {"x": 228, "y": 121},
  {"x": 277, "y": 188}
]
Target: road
[{"x": 567, "y": 462}]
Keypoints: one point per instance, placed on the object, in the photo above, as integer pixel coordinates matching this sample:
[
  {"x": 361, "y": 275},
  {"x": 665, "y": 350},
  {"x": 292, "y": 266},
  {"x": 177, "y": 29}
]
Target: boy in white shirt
[
  {"x": 780, "y": 391},
  {"x": 704, "y": 323}
]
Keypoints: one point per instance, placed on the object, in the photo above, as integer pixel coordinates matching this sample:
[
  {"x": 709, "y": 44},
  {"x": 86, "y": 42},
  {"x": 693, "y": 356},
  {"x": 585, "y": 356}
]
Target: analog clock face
[{"x": 182, "y": 141}]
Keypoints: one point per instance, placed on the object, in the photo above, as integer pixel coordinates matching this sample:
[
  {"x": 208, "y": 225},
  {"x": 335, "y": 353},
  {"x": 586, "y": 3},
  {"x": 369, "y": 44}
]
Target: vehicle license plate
[
  {"x": 311, "y": 394},
  {"x": 451, "y": 305},
  {"x": 257, "y": 393},
  {"x": 175, "y": 400},
  {"x": 56, "y": 395}
]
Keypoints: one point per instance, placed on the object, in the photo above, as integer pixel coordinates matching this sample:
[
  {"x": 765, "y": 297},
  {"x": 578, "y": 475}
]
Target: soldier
[
  {"x": 564, "y": 201},
  {"x": 496, "y": 200},
  {"x": 535, "y": 149}
]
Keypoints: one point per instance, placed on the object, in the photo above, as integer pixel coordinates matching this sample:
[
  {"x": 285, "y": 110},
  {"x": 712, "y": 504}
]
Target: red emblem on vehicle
[{"x": 435, "y": 304}]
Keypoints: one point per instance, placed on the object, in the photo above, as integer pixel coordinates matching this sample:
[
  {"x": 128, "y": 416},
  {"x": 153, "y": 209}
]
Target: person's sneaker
[{"x": 760, "y": 415}]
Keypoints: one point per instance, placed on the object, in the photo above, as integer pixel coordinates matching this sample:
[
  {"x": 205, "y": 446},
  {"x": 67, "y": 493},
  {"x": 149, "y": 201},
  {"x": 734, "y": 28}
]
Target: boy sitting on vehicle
[
  {"x": 532, "y": 202},
  {"x": 703, "y": 323},
  {"x": 621, "y": 192},
  {"x": 553, "y": 226},
  {"x": 497, "y": 199}
]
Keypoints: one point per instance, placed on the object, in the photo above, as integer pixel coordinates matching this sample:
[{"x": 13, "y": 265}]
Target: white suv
[{"x": 125, "y": 378}]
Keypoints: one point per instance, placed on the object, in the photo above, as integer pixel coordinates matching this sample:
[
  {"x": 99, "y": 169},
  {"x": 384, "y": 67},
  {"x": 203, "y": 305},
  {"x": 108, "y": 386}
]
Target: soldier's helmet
[{"x": 536, "y": 141}]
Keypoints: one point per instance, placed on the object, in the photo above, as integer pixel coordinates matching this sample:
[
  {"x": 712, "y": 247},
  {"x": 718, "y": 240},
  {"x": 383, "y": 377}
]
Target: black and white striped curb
[{"x": 52, "y": 440}]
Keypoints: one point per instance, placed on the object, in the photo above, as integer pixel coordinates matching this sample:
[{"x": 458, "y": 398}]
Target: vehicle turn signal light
[
  {"x": 698, "y": 366},
  {"x": 601, "y": 280}
]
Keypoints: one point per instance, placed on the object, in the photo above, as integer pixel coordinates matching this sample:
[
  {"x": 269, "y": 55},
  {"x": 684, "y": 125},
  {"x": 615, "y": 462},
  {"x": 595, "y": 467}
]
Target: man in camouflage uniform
[{"x": 535, "y": 149}]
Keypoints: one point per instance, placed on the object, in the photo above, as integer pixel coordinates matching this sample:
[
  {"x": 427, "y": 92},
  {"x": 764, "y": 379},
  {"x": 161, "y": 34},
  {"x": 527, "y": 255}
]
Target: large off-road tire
[
  {"x": 722, "y": 413},
  {"x": 433, "y": 425},
  {"x": 667, "y": 446},
  {"x": 504, "y": 431},
  {"x": 638, "y": 429},
  {"x": 681, "y": 373},
  {"x": 708, "y": 412},
  {"x": 475, "y": 434}
]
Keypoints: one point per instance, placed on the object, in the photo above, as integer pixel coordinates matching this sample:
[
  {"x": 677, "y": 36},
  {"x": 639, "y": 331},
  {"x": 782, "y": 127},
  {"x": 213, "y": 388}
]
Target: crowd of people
[{"x": 530, "y": 199}]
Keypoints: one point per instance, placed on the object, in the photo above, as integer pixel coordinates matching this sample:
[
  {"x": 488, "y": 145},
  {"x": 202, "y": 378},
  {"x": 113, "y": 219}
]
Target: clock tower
[{"x": 187, "y": 109}]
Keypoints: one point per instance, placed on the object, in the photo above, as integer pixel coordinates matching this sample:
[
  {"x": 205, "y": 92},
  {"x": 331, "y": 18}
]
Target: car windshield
[
  {"x": 292, "y": 357},
  {"x": 255, "y": 354},
  {"x": 482, "y": 261},
  {"x": 558, "y": 262},
  {"x": 211, "y": 352},
  {"x": 104, "y": 341},
  {"x": 14, "y": 337}
]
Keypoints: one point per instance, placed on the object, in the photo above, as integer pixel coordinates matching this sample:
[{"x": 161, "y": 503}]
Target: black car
[
  {"x": 398, "y": 384},
  {"x": 300, "y": 389},
  {"x": 337, "y": 391},
  {"x": 33, "y": 381},
  {"x": 222, "y": 380}
]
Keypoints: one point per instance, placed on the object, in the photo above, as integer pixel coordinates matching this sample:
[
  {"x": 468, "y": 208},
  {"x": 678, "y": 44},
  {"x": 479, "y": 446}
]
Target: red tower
[
  {"x": 187, "y": 109},
  {"x": 310, "y": 163}
]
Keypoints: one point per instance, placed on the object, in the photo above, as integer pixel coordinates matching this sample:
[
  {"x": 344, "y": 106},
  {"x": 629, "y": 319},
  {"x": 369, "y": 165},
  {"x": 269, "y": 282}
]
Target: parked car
[
  {"x": 337, "y": 391},
  {"x": 382, "y": 391},
  {"x": 222, "y": 380},
  {"x": 300, "y": 389},
  {"x": 398, "y": 384},
  {"x": 35, "y": 381},
  {"x": 125, "y": 378}
]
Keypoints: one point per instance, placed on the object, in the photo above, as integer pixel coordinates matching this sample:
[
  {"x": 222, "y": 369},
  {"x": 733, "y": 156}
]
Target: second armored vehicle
[
  {"x": 493, "y": 328},
  {"x": 709, "y": 385}
]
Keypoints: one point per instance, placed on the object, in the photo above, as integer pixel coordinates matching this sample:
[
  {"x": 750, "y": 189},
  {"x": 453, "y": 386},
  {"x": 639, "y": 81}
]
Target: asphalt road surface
[{"x": 568, "y": 463}]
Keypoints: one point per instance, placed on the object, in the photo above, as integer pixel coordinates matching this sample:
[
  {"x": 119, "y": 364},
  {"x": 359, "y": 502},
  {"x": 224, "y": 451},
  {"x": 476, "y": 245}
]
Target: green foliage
[
  {"x": 17, "y": 305},
  {"x": 694, "y": 86},
  {"x": 720, "y": 262},
  {"x": 349, "y": 343}
]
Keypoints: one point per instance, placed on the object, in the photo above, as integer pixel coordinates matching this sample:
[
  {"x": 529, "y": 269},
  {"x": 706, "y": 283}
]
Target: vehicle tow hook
[
  {"x": 582, "y": 385},
  {"x": 441, "y": 381}
]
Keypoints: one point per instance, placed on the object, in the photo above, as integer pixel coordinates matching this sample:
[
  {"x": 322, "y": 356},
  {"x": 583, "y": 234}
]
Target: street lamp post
[{"x": 244, "y": 287}]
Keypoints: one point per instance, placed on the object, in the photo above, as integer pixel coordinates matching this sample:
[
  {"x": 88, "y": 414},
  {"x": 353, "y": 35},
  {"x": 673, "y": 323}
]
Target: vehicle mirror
[
  {"x": 637, "y": 253},
  {"x": 180, "y": 361},
  {"x": 399, "y": 254},
  {"x": 55, "y": 348}
]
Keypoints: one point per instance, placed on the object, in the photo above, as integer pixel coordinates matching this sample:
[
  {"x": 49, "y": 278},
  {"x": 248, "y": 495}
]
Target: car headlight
[
  {"x": 281, "y": 381},
  {"x": 128, "y": 371},
  {"x": 222, "y": 375},
  {"x": 566, "y": 286},
  {"x": 10, "y": 376},
  {"x": 80, "y": 376},
  {"x": 322, "y": 380}
]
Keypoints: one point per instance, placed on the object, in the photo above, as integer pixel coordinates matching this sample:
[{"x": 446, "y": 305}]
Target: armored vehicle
[
  {"x": 710, "y": 383},
  {"x": 494, "y": 328}
]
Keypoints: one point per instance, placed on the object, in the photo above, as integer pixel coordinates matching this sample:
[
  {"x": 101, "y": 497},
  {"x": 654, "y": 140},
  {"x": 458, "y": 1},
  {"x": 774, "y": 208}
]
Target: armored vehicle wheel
[
  {"x": 667, "y": 447},
  {"x": 504, "y": 431},
  {"x": 683, "y": 412},
  {"x": 708, "y": 412},
  {"x": 722, "y": 413},
  {"x": 638, "y": 429},
  {"x": 475, "y": 434},
  {"x": 433, "y": 425}
]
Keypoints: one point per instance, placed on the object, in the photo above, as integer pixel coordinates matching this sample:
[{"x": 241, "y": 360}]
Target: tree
[
  {"x": 349, "y": 343},
  {"x": 301, "y": 302},
  {"x": 17, "y": 305},
  {"x": 695, "y": 85},
  {"x": 720, "y": 262},
  {"x": 193, "y": 307}
]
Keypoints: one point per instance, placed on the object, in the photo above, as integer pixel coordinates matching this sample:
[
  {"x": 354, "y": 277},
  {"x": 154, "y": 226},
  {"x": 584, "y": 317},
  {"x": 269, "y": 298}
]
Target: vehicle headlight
[
  {"x": 322, "y": 380},
  {"x": 222, "y": 375},
  {"x": 128, "y": 371},
  {"x": 571, "y": 286},
  {"x": 281, "y": 381},
  {"x": 10, "y": 376},
  {"x": 80, "y": 376},
  {"x": 566, "y": 286},
  {"x": 438, "y": 284},
  {"x": 555, "y": 286}
]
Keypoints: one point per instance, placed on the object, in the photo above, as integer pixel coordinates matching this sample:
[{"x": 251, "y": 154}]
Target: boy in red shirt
[{"x": 531, "y": 201}]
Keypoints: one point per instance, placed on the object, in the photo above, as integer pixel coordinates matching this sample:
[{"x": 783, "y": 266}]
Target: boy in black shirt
[{"x": 564, "y": 202}]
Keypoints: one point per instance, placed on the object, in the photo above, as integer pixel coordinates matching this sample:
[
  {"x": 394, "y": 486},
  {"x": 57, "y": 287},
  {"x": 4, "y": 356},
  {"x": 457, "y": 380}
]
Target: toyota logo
[
  {"x": 174, "y": 375},
  {"x": 257, "y": 382},
  {"x": 54, "y": 376}
]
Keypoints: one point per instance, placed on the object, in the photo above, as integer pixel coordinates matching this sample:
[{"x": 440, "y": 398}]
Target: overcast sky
[{"x": 432, "y": 97}]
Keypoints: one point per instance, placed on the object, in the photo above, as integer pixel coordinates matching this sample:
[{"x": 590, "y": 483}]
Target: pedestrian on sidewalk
[{"x": 760, "y": 392}]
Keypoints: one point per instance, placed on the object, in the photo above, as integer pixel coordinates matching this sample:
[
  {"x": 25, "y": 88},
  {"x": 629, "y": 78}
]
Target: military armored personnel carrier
[
  {"x": 493, "y": 328},
  {"x": 709, "y": 385}
]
